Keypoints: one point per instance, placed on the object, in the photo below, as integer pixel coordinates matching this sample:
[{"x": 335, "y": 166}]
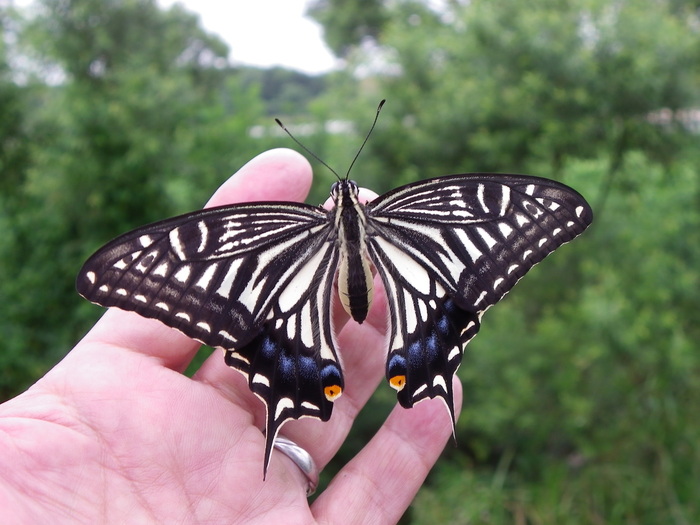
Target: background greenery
[{"x": 582, "y": 392}]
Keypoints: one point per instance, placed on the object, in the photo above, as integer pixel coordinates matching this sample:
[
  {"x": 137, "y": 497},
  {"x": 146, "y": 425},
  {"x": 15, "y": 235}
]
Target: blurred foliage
[
  {"x": 347, "y": 23},
  {"x": 282, "y": 91},
  {"x": 582, "y": 390}
]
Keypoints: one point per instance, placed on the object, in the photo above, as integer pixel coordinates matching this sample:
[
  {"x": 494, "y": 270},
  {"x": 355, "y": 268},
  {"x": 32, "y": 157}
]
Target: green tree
[
  {"x": 144, "y": 120},
  {"x": 14, "y": 158},
  {"x": 13, "y": 102},
  {"x": 284, "y": 91},
  {"x": 347, "y": 22}
]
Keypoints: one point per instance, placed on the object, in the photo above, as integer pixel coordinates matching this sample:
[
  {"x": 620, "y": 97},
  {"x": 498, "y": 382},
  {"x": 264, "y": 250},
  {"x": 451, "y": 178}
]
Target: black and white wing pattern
[
  {"x": 257, "y": 279},
  {"x": 449, "y": 248}
]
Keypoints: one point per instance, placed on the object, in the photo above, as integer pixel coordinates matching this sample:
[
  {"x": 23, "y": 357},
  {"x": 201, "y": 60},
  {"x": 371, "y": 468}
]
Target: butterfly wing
[
  {"x": 449, "y": 248},
  {"x": 255, "y": 280}
]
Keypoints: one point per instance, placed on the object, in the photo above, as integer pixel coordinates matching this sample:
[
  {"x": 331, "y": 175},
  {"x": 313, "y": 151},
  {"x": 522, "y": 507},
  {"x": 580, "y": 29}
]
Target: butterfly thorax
[{"x": 355, "y": 281}]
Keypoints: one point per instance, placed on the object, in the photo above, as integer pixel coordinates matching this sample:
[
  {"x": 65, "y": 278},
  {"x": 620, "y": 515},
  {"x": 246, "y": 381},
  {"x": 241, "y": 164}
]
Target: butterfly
[{"x": 258, "y": 279}]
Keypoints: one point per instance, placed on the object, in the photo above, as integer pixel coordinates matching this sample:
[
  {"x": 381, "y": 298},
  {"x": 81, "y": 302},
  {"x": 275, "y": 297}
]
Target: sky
[{"x": 264, "y": 32}]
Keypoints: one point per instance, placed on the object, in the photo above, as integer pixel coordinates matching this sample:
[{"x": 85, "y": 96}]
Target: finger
[
  {"x": 378, "y": 485},
  {"x": 273, "y": 175},
  {"x": 276, "y": 175}
]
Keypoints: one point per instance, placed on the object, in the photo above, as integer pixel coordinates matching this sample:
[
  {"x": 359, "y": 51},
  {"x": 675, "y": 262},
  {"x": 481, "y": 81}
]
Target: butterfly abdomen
[{"x": 355, "y": 280}]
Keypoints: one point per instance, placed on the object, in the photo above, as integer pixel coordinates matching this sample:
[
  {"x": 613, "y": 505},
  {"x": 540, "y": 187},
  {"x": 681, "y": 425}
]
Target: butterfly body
[
  {"x": 355, "y": 281},
  {"x": 257, "y": 279}
]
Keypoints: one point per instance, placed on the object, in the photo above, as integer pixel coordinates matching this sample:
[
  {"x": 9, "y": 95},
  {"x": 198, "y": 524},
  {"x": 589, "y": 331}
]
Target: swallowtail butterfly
[{"x": 257, "y": 279}]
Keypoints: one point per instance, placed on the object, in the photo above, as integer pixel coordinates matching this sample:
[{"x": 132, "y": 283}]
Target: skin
[{"x": 114, "y": 433}]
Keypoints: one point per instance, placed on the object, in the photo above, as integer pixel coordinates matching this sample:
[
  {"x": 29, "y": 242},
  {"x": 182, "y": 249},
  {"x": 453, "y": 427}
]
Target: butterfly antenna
[
  {"x": 376, "y": 117},
  {"x": 307, "y": 150}
]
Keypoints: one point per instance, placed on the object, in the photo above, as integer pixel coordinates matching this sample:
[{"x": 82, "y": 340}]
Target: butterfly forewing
[{"x": 200, "y": 273}]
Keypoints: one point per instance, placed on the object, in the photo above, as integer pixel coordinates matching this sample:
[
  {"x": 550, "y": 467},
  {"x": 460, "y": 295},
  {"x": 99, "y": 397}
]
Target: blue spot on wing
[
  {"x": 396, "y": 366},
  {"x": 269, "y": 348},
  {"x": 432, "y": 345},
  {"x": 331, "y": 372},
  {"x": 415, "y": 354},
  {"x": 443, "y": 325},
  {"x": 308, "y": 368}
]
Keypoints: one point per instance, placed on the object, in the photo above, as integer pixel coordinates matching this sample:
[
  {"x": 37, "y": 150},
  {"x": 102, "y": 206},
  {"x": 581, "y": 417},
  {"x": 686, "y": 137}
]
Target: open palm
[{"x": 116, "y": 434}]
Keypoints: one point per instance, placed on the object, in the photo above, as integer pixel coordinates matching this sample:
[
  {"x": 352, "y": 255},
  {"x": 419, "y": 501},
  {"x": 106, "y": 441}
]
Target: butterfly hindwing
[
  {"x": 292, "y": 364},
  {"x": 255, "y": 280},
  {"x": 427, "y": 330},
  {"x": 448, "y": 249}
]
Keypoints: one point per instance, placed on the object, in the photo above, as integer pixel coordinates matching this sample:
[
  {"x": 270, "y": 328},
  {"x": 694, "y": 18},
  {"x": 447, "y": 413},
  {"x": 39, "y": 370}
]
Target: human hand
[{"x": 115, "y": 433}]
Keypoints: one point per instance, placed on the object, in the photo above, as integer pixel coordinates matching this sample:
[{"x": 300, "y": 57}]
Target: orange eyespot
[
  {"x": 398, "y": 382},
  {"x": 332, "y": 392}
]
